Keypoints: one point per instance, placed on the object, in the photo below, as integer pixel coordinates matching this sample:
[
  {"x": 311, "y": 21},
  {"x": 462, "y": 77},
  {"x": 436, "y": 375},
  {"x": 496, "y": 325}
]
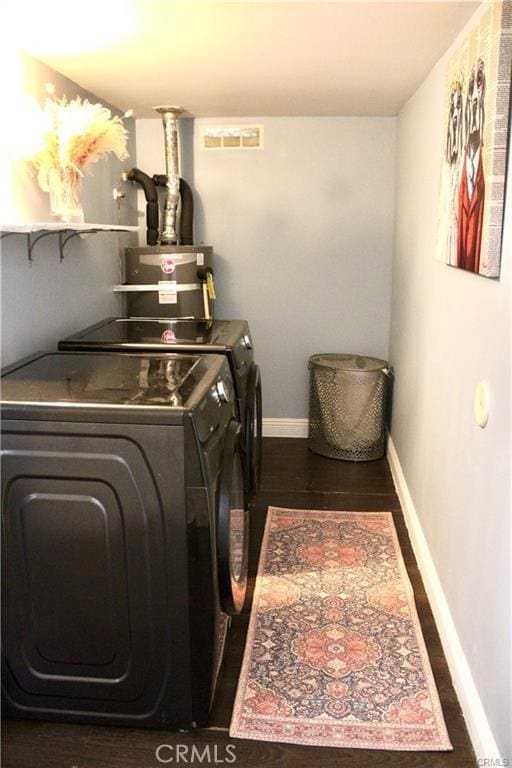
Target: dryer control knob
[
  {"x": 247, "y": 341},
  {"x": 222, "y": 392}
]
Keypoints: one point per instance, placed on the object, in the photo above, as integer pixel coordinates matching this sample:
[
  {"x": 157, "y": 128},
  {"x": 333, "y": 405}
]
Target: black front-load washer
[
  {"x": 229, "y": 337},
  {"x": 124, "y": 536}
]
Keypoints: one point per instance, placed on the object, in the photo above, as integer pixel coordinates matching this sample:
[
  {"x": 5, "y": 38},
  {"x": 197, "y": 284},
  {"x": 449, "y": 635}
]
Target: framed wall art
[{"x": 474, "y": 163}]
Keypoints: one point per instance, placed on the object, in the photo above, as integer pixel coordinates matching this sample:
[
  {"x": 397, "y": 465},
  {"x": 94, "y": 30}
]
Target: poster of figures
[{"x": 477, "y": 122}]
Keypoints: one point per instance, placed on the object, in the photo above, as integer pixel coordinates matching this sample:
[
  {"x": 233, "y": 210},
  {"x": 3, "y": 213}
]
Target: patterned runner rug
[{"x": 335, "y": 655}]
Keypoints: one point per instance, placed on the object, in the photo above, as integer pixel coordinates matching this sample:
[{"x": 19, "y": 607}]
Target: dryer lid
[
  {"x": 63, "y": 378},
  {"x": 154, "y": 333}
]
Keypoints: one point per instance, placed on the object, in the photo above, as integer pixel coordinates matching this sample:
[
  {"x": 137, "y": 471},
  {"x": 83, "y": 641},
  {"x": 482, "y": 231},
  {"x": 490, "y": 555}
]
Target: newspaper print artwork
[{"x": 477, "y": 121}]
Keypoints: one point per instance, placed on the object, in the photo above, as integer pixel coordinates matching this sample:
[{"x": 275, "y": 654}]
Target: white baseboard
[
  {"x": 477, "y": 724},
  {"x": 285, "y": 427}
]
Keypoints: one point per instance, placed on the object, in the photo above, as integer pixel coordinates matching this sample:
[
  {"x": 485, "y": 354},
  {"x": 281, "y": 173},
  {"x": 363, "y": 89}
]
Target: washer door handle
[{"x": 232, "y": 526}]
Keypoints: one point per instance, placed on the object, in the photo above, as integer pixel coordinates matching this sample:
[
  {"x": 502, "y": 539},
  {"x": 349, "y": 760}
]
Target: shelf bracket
[
  {"x": 65, "y": 234},
  {"x": 70, "y": 234},
  {"x": 62, "y": 242},
  {"x": 31, "y": 241},
  {"x": 7, "y": 234}
]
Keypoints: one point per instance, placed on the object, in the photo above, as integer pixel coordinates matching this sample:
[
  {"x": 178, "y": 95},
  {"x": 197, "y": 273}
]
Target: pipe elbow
[{"x": 146, "y": 182}]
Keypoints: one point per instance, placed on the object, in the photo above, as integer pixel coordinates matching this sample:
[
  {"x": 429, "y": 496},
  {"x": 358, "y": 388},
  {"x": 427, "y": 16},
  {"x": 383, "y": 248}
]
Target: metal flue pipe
[
  {"x": 187, "y": 208},
  {"x": 170, "y": 122}
]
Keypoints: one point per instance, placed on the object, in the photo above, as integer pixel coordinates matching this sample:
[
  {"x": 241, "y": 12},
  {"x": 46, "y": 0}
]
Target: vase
[{"x": 65, "y": 201}]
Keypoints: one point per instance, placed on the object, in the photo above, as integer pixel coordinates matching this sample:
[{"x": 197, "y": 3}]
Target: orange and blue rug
[{"x": 335, "y": 655}]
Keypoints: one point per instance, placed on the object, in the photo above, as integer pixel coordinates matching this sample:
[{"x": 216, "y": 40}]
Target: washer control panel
[
  {"x": 217, "y": 407},
  {"x": 243, "y": 350},
  {"x": 223, "y": 391}
]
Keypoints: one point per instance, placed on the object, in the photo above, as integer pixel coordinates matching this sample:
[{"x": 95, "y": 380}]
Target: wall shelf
[{"x": 65, "y": 230}]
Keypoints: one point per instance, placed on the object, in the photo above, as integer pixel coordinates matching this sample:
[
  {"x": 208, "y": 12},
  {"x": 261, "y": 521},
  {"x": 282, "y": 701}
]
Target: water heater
[{"x": 169, "y": 276}]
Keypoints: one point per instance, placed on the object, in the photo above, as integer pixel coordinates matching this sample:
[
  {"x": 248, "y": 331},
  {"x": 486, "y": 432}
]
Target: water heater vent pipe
[{"x": 170, "y": 117}]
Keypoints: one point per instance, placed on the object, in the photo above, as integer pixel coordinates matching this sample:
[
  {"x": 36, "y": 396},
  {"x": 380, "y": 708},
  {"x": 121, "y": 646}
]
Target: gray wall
[
  {"x": 449, "y": 330},
  {"x": 302, "y": 232},
  {"x": 46, "y": 300}
]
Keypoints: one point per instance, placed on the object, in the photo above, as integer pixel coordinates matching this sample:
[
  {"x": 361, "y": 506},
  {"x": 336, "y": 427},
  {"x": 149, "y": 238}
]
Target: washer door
[
  {"x": 253, "y": 426},
  {"x": 232, "y": 526}
]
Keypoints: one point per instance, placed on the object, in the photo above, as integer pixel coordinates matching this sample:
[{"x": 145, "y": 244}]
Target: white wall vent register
[{"x": 232, "y": 137}]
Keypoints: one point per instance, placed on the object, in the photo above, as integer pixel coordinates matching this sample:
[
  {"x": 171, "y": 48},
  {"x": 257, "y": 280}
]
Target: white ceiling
[{"x": 245, "y": 58}]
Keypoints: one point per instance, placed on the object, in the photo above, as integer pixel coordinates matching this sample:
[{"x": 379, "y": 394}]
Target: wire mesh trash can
[{"x": 347, "y": 406}]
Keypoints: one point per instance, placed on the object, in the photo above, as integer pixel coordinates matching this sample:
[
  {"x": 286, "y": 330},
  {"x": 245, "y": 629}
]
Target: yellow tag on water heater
[{"x": 210, "y": 285}]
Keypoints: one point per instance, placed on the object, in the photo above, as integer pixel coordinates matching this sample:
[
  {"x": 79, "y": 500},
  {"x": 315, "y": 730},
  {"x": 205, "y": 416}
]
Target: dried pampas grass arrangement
[{"x": 73, "y": 135}]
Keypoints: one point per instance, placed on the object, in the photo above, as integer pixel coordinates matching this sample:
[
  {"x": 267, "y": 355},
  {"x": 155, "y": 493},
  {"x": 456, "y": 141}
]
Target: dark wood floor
[{"x": 292, "y": 477}]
